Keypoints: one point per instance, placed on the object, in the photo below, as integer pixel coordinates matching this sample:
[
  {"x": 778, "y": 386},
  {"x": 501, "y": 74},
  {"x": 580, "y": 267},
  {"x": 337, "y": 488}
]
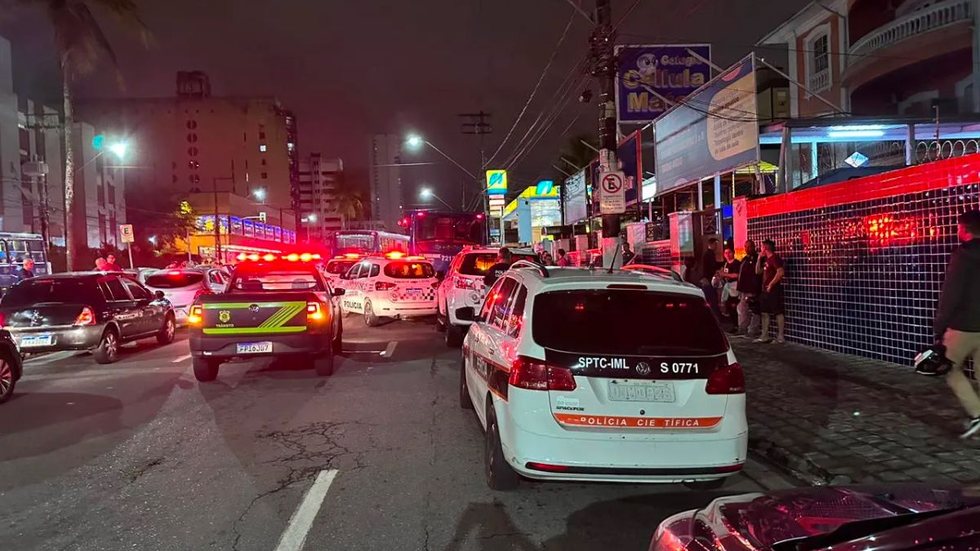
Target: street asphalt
[{"x": 138, "y": 455}]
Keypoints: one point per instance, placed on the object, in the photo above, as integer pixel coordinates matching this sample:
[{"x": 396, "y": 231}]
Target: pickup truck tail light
[
  {"x": 86, "y": 317},
  {"x": 196, "y": 315},
  {"x": 314, "y": 312}
]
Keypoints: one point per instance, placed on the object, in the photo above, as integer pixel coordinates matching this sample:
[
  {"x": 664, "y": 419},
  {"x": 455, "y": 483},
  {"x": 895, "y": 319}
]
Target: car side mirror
[
  {"x": 159, "y": 295},
  {"x": 467, "y": 313},
  {"x": 338, "y": 292}
]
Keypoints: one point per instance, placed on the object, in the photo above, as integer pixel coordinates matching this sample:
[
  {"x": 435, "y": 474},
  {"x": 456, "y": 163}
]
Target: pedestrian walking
[
  {"x": 628, "y": 255},
  {"x": 957, "y": 322},
  {"x": 749, "y": 286},
  {"x": 729, "y": 279},
  {"x": 772, "y": 300},
  {"x": 710, "y": 266},
  {"x": 110, "y": 264},
  {"x": 26, "y": 270},
  {"x": 563, "y": 259}
]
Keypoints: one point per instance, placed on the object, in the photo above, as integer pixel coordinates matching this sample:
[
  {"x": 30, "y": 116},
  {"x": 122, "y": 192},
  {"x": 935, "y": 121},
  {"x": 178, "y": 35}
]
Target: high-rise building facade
[
  {"x": 320, "y": 180},
  {"x": 386, "y": 186},
  {"x": 196, "y": 142}
]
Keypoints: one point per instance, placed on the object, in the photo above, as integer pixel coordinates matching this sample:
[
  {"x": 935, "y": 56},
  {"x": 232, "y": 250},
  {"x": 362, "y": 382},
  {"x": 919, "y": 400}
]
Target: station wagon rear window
[
  {"x": 409, "y": 270},
  {"x": 625, "y": 322},
  {"x": 175, "y": 280}
]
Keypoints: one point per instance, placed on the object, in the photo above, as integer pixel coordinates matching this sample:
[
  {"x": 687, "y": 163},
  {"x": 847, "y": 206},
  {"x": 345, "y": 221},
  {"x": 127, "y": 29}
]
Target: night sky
[{"x": 355, "y": 67}]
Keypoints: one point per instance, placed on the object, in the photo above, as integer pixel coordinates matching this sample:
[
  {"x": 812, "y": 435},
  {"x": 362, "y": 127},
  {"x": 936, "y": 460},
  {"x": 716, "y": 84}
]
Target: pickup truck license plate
[
  {"x": 28, "y": 341},
  {"x": 640, "y": 391},
  {"x": 254, "y": 347}
]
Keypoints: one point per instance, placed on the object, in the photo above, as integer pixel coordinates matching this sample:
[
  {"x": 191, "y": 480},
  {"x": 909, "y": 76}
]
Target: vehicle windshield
[
  {"x": 57, "y": 290},
  {"x": 174, "y": 280},
  {"x": 275, "y": 281},
  {"x": 409, "y": 270},
  {"x": 339, "y": 267},
  {"x": 625, "y": 322}
]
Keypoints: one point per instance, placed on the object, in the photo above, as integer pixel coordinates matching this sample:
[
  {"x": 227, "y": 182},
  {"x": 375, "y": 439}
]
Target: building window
[
  {"x": 818, "y": 68},
  {"x": 193, "y": 165},
  {"x": 191, "y": 125},
  {"x": 111, "y": 192},
  {"x": 100, "y": 194},
  {"x": 103, "y": 238},
  {"x": 261, "y": 135},
  {"x": 263, "y": 148},
  {"x": 263, "y": 162},
  {"x": 192, "y": 138},
  {"x": 194, "y": 178},
  {"x": 265, "y": 175},
  {"x": 192, "y": 151}
]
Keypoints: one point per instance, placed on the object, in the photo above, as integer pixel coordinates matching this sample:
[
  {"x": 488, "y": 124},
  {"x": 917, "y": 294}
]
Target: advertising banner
[
  {"x": 576, "y": 199},
  {"x": 630, "y": 163},
  {"x": 667, "y": 69},
  {"x": 716, "y": 129},
  {"x": 496, "y": 182}
]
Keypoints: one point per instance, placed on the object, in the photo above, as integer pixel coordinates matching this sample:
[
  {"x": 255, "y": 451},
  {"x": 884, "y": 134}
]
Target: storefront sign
[
  {"x": 647, "y": 74},
  {"x": 715, "y": 130}
]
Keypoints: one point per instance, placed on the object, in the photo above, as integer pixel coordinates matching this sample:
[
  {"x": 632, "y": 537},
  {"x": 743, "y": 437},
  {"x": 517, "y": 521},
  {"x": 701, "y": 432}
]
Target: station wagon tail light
[
  {"x": 729, "y": 379},
  {"x": 196, "y": 315},
  {"x": 534, "y": 374},
  {"x": 314, "y": 312},
  {"x": 86, "y": 317},
  {"x": 384, "y": 286}
]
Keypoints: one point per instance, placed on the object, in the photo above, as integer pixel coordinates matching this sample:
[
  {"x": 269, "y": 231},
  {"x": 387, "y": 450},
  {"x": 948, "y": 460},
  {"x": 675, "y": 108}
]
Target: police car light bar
[
  {"x": 269, "y": 257},
  {"x": 395, "y": 255}
]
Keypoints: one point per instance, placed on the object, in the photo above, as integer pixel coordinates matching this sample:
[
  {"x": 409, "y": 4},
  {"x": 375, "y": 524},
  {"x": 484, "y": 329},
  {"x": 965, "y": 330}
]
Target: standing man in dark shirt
[
  {"x": 504, "y": 260},
  {"x": 772, "y": 300},
  {"x": 749, "y": 285},
  {"x": 27, "y": 270},
  {"x": 628, "y": 255},
  {"x": 957, "y": 322},
  {"x": 710, "y": 265},
  {"x": 729, "y": 277}
]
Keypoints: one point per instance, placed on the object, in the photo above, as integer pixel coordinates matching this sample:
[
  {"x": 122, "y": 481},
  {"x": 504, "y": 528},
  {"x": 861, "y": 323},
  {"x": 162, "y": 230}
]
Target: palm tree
[
  {"x": 81, "y": 44},
  {"x": 350, "y": 205}
]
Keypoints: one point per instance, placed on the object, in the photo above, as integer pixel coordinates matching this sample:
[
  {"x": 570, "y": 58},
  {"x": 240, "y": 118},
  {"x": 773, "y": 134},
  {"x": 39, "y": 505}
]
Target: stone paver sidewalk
[{"x": 831, "y": 418}]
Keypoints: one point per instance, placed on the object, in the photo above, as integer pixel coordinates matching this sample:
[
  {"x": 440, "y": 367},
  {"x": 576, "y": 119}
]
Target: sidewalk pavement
[{"x": 831, "y": 418}]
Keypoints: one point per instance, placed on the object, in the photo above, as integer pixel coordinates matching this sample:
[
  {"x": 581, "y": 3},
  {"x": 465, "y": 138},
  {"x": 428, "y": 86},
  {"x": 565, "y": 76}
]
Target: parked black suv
[
  {"x": 11, "y": 366},
  {"x": 84, "y": 311}
]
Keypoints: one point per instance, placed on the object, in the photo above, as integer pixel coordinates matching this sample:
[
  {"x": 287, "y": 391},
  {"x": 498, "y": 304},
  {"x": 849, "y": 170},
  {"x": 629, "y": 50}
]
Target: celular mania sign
[{"x": 645, "y": 75}]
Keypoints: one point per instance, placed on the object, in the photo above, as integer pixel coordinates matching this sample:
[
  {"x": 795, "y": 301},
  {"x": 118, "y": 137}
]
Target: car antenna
[{"x": 613, "y": 261}]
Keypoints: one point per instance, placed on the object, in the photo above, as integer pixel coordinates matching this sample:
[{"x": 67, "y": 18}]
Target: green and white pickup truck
[{"x": 282, "y": 309}]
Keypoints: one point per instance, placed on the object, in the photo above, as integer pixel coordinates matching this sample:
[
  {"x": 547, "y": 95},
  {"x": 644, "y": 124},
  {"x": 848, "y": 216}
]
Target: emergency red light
[
  {"x": 395, "y": 255},
  {"x": 420, "y": 214},
  {"x": 244, "y": 256},
  {"x": 479, "y": 217},
  {"x": 350, "y": 255},
  {"x": 292, "y": 257},
  {"x": 173, "y": 273},
  {"x": 269, "y": 257}
]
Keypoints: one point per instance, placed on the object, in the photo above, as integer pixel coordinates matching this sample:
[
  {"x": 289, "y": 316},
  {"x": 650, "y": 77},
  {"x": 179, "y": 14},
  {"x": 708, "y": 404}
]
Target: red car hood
[{"x": 759, "y": 521}]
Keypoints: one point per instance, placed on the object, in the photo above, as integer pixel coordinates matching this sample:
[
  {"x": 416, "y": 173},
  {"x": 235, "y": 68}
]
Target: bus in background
[
  {"x": 366, "y": 242},
  {"x": 439, "y": 236},
  {"x": 14, "y": 248}
]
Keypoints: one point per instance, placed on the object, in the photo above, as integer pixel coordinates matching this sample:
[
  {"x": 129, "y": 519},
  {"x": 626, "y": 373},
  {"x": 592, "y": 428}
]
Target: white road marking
[
  {"x": 390, "y": 349},
  {"x": 180, "y": 359},
  {"x": 294, "y": 536}
]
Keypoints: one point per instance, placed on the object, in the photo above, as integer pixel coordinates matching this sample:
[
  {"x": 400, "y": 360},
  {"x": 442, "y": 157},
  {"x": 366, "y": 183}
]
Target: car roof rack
[{"x": 528, "y": 264}]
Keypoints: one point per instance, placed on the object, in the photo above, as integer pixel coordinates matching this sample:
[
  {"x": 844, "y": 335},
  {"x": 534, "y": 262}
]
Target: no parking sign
[{"x": 612, "y": 194}]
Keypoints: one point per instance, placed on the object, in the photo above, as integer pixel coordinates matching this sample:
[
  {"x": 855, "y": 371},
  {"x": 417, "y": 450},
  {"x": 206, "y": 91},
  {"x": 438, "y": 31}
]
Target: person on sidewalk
[
  {"x": 563, "y": 259},
  {"x": 27, "y": 270},
  {"x": 628, "y": 255},
  {"x": 729, "y": 292},
  {"x": 110, "y": 263},
  {"x": 957, "y": 323},
  {"x": 772, "y": 301},
  {"x": 709, "y": 266},
  {"x": 749, "y": 285}
]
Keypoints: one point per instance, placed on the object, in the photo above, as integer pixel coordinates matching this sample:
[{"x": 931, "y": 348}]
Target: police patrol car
[
  {"x": 463, "y": 286},
  {"x": 274, "y": 306},
  {"x": 393, "y": 286},
  {"x": 339, "y": 265},
  {"x": 591, "y": 376}
]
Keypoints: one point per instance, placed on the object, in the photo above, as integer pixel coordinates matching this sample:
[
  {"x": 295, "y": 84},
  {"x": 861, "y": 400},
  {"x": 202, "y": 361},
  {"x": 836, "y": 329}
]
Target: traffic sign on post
[
  {"x": 126, "y": 233},
  {"x": 612, "y": 193}
]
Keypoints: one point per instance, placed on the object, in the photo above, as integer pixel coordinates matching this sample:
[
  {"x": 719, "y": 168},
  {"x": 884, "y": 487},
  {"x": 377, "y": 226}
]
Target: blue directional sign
[{"x": 496, "y": 182}]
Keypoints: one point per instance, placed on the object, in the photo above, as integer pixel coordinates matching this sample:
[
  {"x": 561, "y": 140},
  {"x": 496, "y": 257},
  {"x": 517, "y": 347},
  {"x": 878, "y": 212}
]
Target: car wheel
[
  {"x": 455, "y": 335},
  {"x": 499, "y": 474},
  {"x": 370, "y": 319},
  {"x": 464, "y": 394},
  {"x": 7, "y": 380},
  {"x": 706, "y": 485},
  {"x": 167, "y": 332},
  {"x": 108, "y": 349},
  {"x": 323, "y": 365},
  {"x": 205, "y": 369}
]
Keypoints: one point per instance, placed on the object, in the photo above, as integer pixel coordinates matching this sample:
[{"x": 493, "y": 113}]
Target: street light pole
[{"x": 426, "y": 193}]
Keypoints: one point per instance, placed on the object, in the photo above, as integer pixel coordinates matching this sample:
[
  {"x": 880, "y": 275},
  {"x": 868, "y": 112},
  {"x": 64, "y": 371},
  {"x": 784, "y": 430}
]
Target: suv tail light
[
  {"x": 196, "y": 315},
  {"x": 464, "y": 283},
  {"x": 384, "y": 286},
  {"x": 3, "y": 320},
  {"x": 86, "y": 317},
  {"x": 314, "y": 312},
  {"x": 728, "y": 379},
  {"x": 533, "y": 374}
]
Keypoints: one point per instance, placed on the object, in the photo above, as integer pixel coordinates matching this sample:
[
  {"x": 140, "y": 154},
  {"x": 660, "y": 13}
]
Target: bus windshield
[
  {"x": 355, "y": 243},
  {"x": 434, "y": 231}
]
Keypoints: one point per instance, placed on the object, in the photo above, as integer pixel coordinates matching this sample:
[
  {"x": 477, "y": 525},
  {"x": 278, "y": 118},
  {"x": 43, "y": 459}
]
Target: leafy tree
[
  {"x": 350, "y": 205},
  {"x": 81, "y": 45}
]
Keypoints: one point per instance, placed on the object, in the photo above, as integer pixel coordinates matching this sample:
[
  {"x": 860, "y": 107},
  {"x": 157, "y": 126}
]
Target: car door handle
[{"x": 491, "y": 351}]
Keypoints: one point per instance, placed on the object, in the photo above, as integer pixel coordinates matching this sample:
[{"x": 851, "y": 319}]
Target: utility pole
[
  {"x": 477, "y": 124},
  {"x": 604, "y": 70},
  {"x": 217, "y": 218}
]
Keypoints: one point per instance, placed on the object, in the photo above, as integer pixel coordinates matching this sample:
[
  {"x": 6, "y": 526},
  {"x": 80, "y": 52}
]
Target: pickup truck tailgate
[{"x": 252, "y": 314}]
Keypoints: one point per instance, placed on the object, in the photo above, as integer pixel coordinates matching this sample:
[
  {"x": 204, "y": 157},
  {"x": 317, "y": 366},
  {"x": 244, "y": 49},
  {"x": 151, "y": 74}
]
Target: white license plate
[
  {"x": 253, "y": 348},
  {"x": 413, "y": 293},
  {"x": 28, "y": 341},
  {"x": 640, "y": 391}
]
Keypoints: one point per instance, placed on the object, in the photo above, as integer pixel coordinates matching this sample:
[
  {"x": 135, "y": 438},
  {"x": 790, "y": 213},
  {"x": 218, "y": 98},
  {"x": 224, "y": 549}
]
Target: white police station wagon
[
  {"x": 394, "y": 286},
  {"x": 591, "y": 376}
]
